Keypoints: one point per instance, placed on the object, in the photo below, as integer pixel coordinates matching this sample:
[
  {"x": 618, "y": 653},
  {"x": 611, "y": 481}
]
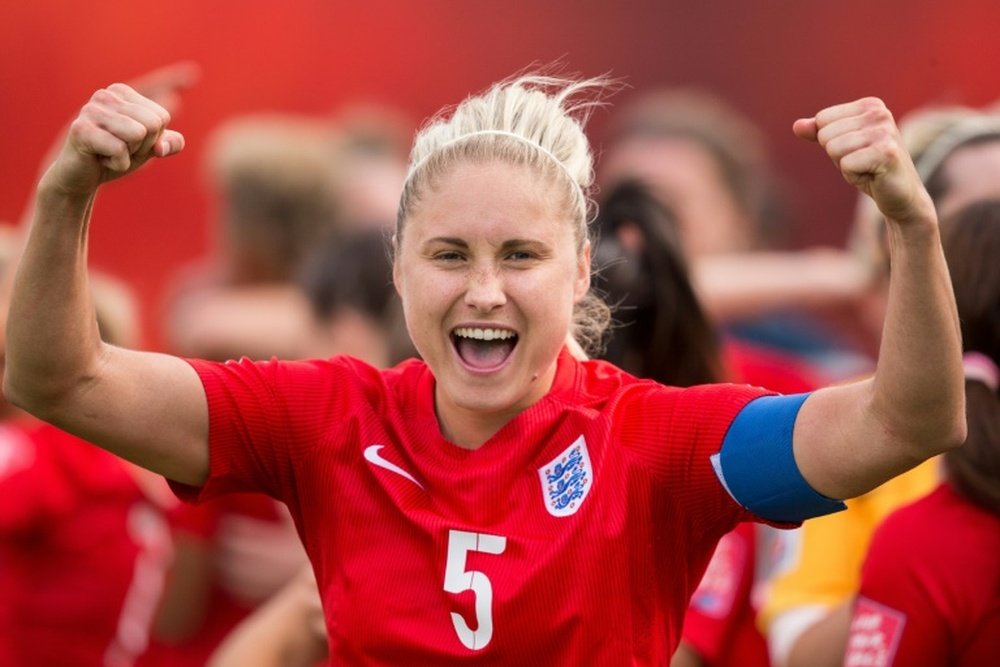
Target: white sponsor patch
[{"x": 874, "y": 635}]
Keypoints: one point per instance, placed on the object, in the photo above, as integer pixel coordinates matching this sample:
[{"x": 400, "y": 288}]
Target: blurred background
[{"x": 774, "y": 60}]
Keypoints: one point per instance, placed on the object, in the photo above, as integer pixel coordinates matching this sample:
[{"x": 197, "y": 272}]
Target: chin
[{"x": 488, "y": 395}]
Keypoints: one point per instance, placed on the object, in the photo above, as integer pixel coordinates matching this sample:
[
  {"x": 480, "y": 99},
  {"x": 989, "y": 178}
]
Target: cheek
[{"x": 547, "y": 293}]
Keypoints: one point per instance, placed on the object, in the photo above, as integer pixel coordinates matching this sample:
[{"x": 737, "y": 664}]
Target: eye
[
  {"x": 521, "y": 256},
  {"x": 448, "y": 256}
]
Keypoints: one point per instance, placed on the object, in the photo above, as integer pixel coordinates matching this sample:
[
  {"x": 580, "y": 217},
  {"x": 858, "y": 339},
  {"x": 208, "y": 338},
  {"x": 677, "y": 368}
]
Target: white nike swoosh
[{"x": 373, "y": 457}]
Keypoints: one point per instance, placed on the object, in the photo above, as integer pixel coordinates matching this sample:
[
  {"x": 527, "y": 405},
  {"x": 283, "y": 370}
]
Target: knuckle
[
  {"x": 103, "y": 97},
  {"x": 119, "y": 88},
  {"x": 79, "y": 126},
  {"x": 878, "y": 113},
  {"x": 871, "y": 102}
]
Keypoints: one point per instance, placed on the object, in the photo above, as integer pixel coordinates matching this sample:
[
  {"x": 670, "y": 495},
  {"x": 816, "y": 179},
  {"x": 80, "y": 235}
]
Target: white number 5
[{"x": 457, "y": 580}]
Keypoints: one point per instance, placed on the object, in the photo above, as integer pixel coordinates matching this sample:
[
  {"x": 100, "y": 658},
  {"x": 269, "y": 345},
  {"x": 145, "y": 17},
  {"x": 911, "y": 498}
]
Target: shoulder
[
  {"x": 600, "y": 382},
  {"x": 299, "y": 379}
]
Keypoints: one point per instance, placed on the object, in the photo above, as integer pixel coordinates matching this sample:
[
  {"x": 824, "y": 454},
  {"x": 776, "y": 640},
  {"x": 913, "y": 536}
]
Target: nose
[{"x": 485, "y": 289}]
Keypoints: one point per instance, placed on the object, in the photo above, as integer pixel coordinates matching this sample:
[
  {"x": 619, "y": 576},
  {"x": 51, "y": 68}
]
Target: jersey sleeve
[
  {"x": 733, "y": 438},
  {"x": 265, "y": 418},
  {"x": 673, "y": 433}
]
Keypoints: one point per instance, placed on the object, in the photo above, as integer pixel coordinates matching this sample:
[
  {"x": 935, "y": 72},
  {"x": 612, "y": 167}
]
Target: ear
[{"x": 582, "y": 282}]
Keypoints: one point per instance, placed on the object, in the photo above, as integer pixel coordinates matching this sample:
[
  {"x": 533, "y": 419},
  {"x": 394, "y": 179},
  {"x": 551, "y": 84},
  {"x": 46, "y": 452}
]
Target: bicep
[
  {"x": 146, "y": 407},
  {"x": 841, "y": 447}
]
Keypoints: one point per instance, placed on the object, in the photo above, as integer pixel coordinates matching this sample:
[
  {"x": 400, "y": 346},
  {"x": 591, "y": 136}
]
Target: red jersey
[
  {"x": 82, "y": 552},
  {"x": 720, "y": 621},
  {"x": 575, "y": 535},
  {"x": 930, "y": 588}
]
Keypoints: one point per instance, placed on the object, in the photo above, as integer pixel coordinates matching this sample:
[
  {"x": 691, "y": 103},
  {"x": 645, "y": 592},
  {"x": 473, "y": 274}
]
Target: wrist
[
  {"x": 919, "y": 212},
  {"x": 54, "y": 196}
]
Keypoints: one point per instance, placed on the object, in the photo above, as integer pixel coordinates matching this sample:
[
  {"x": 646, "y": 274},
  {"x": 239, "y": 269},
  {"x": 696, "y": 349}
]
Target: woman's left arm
[{"x": 848, "y": 439}]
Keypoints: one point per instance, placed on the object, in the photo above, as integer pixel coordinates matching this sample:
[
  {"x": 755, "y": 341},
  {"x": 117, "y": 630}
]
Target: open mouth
[{"x": 483, "y": 349}]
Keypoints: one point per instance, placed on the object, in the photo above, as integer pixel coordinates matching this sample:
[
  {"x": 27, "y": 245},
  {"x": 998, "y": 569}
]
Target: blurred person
[
  {"x": 709, "y": 163},
  {"x": 370, "y": 165},
  {"x": 285, "y": 184},
  {"x": 288, "y": 186},
  {"x": 83, "y": 538},
  {"x": 662, "y": 333},
  {"x": 84, "y": 542},
  {"x": 930, "y": 585},
  {"x": 355, "y": 309},
  {"x": 816, "y": 569},
  {"x": 499, "y": 499},
  {"x": 274, "y": 177}
]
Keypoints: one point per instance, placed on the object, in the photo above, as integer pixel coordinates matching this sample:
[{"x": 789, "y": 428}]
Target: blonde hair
[{"x": 535, "y": 120}]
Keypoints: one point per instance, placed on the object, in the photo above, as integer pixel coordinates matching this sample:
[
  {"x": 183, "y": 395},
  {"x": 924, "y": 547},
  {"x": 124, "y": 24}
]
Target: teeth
[{"x": 484, "y": 334}]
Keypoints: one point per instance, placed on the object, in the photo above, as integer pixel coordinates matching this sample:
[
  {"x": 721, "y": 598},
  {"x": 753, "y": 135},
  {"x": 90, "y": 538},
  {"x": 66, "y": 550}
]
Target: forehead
[
  {"x": 972, "y": 173},
  {"x": 495, "y": 200}
]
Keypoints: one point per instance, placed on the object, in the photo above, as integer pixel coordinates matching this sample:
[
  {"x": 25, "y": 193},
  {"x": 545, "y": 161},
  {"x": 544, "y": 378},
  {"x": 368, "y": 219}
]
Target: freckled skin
[{"x": 489, "y": 247}]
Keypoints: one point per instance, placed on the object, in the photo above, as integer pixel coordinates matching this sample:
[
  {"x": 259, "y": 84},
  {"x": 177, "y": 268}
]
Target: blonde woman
[{"x": 498, "y": 501}]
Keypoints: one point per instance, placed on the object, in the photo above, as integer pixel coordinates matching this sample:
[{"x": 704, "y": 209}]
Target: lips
[{"x": 484, "y": 348}]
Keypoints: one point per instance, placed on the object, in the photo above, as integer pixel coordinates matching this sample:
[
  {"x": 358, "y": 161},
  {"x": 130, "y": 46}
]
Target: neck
[{"x": 470, "y": 428}]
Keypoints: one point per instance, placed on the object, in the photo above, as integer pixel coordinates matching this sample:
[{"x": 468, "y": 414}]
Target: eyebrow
[
  {"x": 506, "y": 245},
  {"x": 447, "y": 240}
]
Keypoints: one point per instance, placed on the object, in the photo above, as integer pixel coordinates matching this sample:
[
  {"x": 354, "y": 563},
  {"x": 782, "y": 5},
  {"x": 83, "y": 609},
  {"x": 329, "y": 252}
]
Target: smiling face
[{"x": 489, "y": 267}]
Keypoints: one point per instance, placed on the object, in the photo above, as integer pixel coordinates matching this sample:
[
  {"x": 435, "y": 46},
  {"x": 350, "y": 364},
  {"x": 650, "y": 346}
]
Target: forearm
[
  {"x": 918, "y": 388},
  {"x": 53, "y": 343},
  {"x": 739, "y": 286},
  {"x": 287, "y": 631}
]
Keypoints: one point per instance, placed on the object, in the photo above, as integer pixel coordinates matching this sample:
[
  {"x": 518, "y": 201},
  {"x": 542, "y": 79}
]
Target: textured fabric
[
  {"x": 930, "y": 588},
  {"x": 426, "y": 553},
  {"x": 82, "y": 552}
]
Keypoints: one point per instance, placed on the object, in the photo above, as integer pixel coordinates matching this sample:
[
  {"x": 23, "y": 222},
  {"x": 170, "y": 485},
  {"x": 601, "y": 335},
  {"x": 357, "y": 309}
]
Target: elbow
[
  {"x": 12, "y": 391},
  {"x": 35, "y": 398},
  {"x": 16, "y": 395},
  {"x": 957, "y": 434},
  {"x": 954, "y": 424},
  {"x": 947, "y": 432}
]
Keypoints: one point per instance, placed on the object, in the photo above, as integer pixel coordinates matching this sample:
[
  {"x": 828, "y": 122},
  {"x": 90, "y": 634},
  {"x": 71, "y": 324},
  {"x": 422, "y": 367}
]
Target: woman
[
  {"x": 930, "y": 586},
  {"x": 499, "y": 500}
]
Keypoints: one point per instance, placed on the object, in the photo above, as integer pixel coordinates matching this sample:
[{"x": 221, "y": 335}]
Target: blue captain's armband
[{"x": 757, "y": 467}]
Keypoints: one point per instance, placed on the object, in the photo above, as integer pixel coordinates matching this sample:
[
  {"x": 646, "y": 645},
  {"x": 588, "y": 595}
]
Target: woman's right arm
[{"x": 149, "y": 408}]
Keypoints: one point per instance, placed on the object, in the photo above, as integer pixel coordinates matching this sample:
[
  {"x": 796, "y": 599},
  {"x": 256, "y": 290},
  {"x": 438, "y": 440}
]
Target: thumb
[
  {"x": 170, "y": 143},
  {"x": 805, "y": 128}
]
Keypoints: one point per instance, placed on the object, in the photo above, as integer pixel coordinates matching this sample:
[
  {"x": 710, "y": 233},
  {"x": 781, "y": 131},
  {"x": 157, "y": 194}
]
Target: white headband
[
  {"x": 959, "y": 133},
  {"x": 499, "y": 133}
]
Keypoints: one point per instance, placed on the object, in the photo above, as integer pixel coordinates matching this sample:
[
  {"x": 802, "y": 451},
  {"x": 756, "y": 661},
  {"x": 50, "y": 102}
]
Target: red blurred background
[{"x": 773, "y": 59}]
